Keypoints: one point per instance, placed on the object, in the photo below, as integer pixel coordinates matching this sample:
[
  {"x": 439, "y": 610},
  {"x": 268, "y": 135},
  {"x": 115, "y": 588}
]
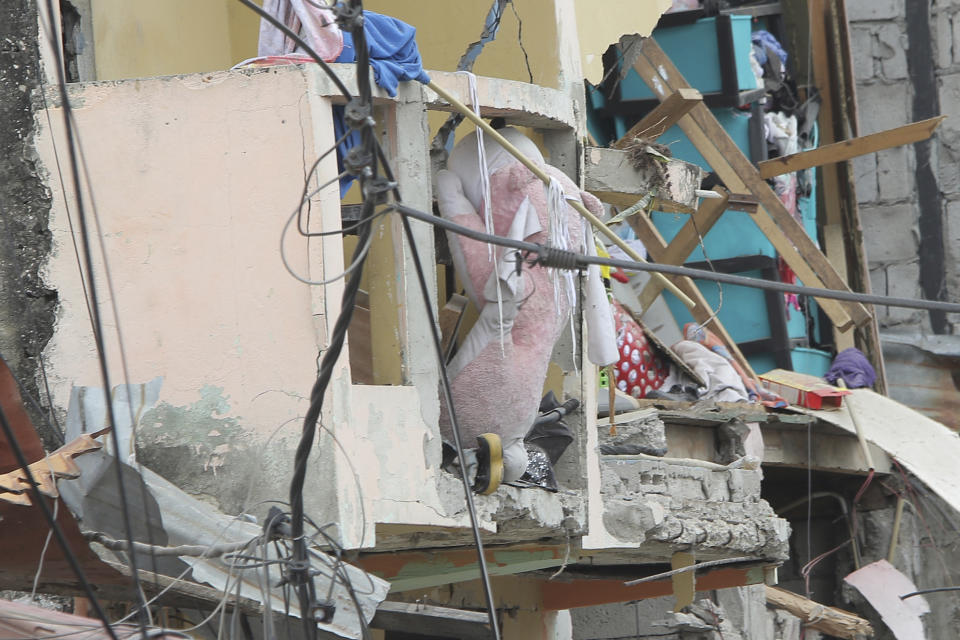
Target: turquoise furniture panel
[
  {"x": 693, "y": 49},
  {"x": 735, "y": 234}
]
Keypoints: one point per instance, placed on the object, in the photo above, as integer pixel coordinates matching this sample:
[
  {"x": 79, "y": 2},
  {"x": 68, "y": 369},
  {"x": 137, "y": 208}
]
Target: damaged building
[{"x": 493, "y": 318}]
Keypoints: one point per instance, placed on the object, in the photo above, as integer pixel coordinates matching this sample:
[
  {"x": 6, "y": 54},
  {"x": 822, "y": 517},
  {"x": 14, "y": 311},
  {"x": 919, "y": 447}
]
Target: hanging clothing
[{"x": 316, "y": 25}]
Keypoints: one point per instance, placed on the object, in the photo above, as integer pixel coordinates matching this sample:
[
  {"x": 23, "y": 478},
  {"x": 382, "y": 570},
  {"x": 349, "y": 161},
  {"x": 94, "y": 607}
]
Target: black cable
[
  {"x": 98, "y": 333},
  {"x": 300, "y": 43},
  {"x": 923, "y": 591},
  {"x": 548, "y": 256},
  {"x": 57, "y": 532},
  {"x": 455, "y": 428}
]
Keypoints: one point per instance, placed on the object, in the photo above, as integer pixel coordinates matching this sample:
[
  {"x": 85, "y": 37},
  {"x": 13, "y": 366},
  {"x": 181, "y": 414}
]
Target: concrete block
[
  {"x": 889, "y": 233},
  {"x": 890, "y": 47},
  {"x": 943, "y": 40},
  {"x": 883, "y": 106},
  {"x": 948, "y": 161},
  {"x": 861, "y": 48},
  {"x": 878, "y": 281},
  {"x": 894, "y": 174},
  {"x": 865, "y": 175},
  {"x": 643, "y": 435},
  {"x": 744, "y": 485},
  {"x": 629, "y": 520},
  {"x": 634, "y": 620},
  {"x": 949, "y": 95},
  {"x": 952, "y": 235},
  {"x": 903, "y": 281},
  {"x": 716, "y": 488},
  {"x": 860, "y": 10},
  {"x": 955, "y": 31},
  {"x": 745, "y": 608}
]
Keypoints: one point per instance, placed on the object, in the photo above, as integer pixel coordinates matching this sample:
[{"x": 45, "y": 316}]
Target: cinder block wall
[{"x": 906, "y": 59}]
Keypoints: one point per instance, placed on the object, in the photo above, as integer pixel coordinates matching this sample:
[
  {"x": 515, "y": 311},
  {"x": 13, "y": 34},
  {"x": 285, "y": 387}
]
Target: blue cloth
[
  {"x": 761, "y": 40},
  {"x": 851, "y": 365},
  {"x": 393, "y": 51},
  {"x": 394, "y": 57}
]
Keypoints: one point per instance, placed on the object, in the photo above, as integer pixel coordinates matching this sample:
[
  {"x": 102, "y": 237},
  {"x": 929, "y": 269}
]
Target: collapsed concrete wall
[
  {"x": 907, "y": 67},
  {"x": 740, "y": 613},
  {"x": 27, "y": 306}
]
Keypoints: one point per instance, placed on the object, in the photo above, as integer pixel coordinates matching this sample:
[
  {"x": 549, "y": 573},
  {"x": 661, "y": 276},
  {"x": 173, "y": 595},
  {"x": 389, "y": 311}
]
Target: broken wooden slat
[
  {"x": 829, "y": 620},
  {"x": 664, "y": 115},
  {"x": 738, "y": 173},
  {"x": 830, "y": 176},
  {"x": 847, "y": 149},
  {"x": 686, "y": 241},
  {"x": 701, "y": 311},
  {"x": 558, "y": 595},
  {"x": 610, "y": 175},
  {"x": 449, "y": 319}
]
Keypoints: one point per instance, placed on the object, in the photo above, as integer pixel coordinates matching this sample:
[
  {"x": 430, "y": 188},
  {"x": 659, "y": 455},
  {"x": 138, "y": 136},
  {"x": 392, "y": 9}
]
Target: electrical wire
[
  {"x": 91, "y": 286},
  {"x": 549, "y": 257},
  {"x": 455, "y": 428}
]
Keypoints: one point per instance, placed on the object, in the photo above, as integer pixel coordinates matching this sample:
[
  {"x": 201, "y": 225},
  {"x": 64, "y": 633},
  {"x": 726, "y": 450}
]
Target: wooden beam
[
  {"x": 664, "y": 115},
  {"x": 828, "y": 620},
  {"x": 423, "y": 569},
  {"x": 738, "y": 173},
  {"x": 428, "y": 620},
  {"x": 831, "y": 217},
  {"x": 701, "y": 310},
  {"x": 847, "y": 149},
  {"x": 571, "y": 594},
  {"x": 685, "y": 242}
]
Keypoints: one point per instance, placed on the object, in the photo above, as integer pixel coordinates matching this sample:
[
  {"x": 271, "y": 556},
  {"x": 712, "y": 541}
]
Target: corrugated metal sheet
[{"x": 923, "y": 372}]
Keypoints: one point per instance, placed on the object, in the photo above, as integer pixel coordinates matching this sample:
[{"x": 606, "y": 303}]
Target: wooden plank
[
  {"x": 684, "y": 584},
  {"x": 831, "y": 217},
  {"x": 714, "y": 156},
  {"x": 738, "y": 173},
  {"x": 867, "y": 337},
  {"x": 415, "y": 569},
  {"x": 685, "y": 242},
  {"x": 847, "y": 149},
  {"x": 664, "y": 115},
  {"x": 433, "y": 621},
  {"x": 571, "y": 594},
  {"x": 701, "y": 310},
  {"x": 450, "y": 318},
  {"x": 828, "y": 620}
]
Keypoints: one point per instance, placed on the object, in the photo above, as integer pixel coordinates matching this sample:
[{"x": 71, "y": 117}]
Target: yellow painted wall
[
  {"x": 600, "y": 24},
  {"x": 137, "y": 38},
  {"x": 140, "y": 38},
  {"x": 446, "y": 27}
]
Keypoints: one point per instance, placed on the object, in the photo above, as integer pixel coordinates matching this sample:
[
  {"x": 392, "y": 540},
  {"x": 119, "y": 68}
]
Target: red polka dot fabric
[{"x": 640, "y": 369}]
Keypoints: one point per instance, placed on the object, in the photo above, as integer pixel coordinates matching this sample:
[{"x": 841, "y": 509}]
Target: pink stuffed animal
[{"x": 499, "y": 371}]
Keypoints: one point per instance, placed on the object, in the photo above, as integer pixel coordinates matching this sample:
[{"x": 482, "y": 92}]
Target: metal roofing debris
[
  {"x": 882, "y": 585},
  {"x": 925, "y": 447}
]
